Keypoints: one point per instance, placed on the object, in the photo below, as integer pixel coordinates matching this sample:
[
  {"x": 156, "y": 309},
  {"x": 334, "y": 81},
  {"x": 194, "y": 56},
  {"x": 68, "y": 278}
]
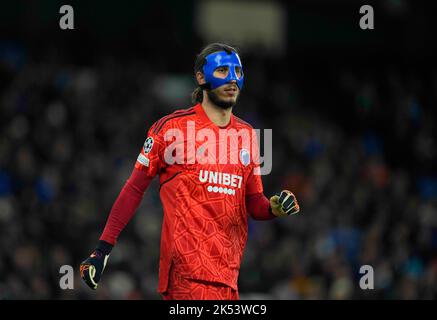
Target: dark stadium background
[{"x": 353, "y": 116}]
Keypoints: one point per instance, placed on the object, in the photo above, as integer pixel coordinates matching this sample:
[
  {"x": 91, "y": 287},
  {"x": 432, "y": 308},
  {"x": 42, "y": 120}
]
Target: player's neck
[{"x": 219, "y": 116}]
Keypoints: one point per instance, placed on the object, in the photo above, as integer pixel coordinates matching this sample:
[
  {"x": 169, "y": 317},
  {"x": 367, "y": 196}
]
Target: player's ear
[{"x": 200, "y": 77}]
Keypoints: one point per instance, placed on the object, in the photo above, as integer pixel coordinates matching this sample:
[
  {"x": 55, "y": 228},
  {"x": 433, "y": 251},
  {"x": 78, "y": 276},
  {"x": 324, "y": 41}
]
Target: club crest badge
[{"x": 244, "y": 157}]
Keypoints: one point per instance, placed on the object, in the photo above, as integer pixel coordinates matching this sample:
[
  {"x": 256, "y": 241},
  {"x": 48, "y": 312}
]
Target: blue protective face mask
[{"x": 222, "y": 59}]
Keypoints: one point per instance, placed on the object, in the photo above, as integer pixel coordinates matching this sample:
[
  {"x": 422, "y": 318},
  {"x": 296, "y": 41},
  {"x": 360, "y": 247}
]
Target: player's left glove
[{"x": 284, "y": 204}]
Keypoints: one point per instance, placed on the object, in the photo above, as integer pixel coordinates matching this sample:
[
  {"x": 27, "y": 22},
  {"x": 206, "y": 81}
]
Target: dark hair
[{"x": 197, "y": 95}]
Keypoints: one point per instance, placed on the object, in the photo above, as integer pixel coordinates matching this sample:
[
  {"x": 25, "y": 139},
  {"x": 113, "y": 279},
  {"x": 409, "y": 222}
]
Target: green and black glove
[
  {"x": 284, "y": 204},
  {"x": 92, "y": 268}
]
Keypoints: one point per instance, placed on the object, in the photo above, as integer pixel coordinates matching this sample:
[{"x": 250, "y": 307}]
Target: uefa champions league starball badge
[{"x": 148, "y": 144}]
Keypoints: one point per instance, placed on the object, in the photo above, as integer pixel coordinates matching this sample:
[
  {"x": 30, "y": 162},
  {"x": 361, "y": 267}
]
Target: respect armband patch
[{"x": 143, "y": 160}]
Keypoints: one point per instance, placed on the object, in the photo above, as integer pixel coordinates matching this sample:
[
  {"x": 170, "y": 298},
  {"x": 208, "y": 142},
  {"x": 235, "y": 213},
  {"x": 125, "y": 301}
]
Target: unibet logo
[{"x": 220, "y": 182}]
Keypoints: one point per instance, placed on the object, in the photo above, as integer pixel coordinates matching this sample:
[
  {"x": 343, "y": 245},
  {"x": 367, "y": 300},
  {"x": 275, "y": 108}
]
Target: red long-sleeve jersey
[{"x": 208, "y": 183}]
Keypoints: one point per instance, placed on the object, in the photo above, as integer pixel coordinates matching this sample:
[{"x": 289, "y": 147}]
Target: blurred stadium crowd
[{"x": 69, "y": 136}]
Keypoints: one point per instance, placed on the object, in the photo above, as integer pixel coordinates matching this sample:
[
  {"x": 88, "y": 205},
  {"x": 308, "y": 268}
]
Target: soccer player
[{"x": 206, "y": 193}]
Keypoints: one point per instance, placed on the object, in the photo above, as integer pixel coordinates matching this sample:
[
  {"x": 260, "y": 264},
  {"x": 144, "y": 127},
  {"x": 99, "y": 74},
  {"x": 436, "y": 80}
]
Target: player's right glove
[
  {"x": 284, "y": 204},
  {"x": 92, "y": 268}
]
